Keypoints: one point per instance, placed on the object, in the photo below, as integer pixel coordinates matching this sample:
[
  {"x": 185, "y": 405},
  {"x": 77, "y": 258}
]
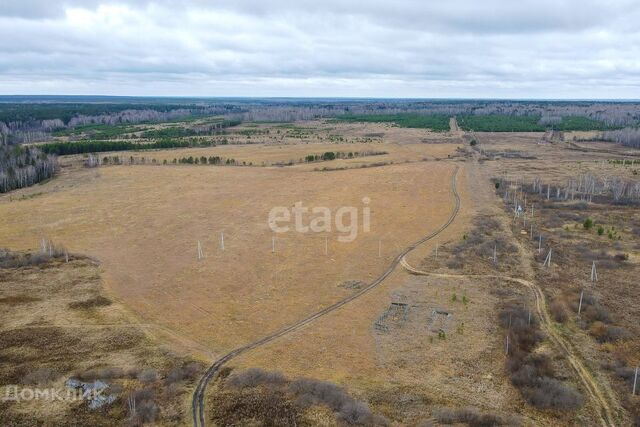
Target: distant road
[
  {"x": 198, "y": 403},
  {"x": 453, "y": 125}
]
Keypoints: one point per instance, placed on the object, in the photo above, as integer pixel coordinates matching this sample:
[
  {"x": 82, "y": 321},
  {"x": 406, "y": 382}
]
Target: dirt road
[{"x": 453, "y": 125}]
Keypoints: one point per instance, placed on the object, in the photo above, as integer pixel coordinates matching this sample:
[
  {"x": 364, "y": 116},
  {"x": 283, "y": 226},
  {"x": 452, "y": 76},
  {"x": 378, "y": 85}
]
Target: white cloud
[{"x": 407, "y": 48}]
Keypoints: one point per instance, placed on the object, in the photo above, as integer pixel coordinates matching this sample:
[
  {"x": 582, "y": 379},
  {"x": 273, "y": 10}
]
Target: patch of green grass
[{"x": 98, "y": 131}]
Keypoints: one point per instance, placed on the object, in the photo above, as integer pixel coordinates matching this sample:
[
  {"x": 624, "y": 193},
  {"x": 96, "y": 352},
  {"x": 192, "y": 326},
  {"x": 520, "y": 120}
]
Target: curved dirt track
[
  {"x": 604, "y": 407},
  {"x": 198, "y": 403}
]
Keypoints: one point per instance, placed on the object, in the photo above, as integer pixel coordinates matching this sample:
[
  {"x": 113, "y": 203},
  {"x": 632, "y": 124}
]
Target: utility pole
[{"x": 222, "y": 240}]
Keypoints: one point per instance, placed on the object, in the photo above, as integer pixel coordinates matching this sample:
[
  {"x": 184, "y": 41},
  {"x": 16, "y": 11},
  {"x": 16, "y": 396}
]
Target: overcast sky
[{"x": 374, "y": 48}]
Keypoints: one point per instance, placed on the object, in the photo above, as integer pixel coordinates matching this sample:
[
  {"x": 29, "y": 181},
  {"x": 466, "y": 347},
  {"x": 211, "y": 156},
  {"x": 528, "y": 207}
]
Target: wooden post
[
  {"x": 507, "y": 344},
  {"x": 594, "y": 272},
  {"x": 580, "y": 305},
  {"x": 531, "y": 231},
  {"x": 635, "y": 382},
  {"x": 547, "y": 260},
  {"x": 540, "y": 243},
  {"x": 222, "y": 240},
  {"x": 200, "y": 253},
  {"x": 495, "y": 254},
  {"x": 66, "y": 256},
  {"x": 437, "y": 250}
]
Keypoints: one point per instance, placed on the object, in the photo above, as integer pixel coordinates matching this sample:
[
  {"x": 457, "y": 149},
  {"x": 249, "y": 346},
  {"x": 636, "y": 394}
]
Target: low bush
[
  {"x": 97, "y": 301},
  {"x": 532, "y": 373},
  {"x": 559, "y": 311},
  {"x": 472, "y": 417},
  {"x": 553, "y": 394},
  {"x": 254, "y": 377},
  {"x": 148, "y": 375},
  {"x": 304, "y": 392},
  {"x": 188, "y": 372}
]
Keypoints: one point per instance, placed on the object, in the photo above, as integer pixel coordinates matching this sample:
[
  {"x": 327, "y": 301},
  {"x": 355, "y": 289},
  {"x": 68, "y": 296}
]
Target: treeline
[
  {"x": 332, "y": 155},
  {"x": 93, "y": 160},
  {"x": 66, "y": 148},
  {"x": 24, "y": 166},
  {"x": 212, "y": 160},
  {"x": 629, "y": 137}
]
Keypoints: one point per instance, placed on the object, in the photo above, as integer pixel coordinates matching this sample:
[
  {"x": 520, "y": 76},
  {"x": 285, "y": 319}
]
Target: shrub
[
  {"x": 254, "y": 377},
  {"x": 596, "y": 312},
  {"x": 148, "y": 375},
  {"x": 97, "y": 301},
  {"x": 588, "y": 224},
  {"x": 472, "y": 417},
  {"x": 147, "y": 411},
  {"x": 559, "y": 311},
  {"x": 553, "y": 394},
  {"x": 189, "y": 371},
  {"x": 600, "y": 230},
  {"x": 621, "y": 257}
]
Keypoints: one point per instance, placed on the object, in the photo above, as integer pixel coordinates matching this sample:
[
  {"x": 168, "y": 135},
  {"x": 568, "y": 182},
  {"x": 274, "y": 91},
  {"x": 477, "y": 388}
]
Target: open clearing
[{"x": 143, "y": 224}]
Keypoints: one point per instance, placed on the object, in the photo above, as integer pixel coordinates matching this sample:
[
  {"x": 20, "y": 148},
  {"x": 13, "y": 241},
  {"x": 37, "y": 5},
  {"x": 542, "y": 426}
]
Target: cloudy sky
[{"x": 373, "y": 48}]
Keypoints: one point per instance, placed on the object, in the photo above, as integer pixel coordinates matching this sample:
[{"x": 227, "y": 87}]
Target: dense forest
[
  {"x": 629, "y": 137},
  {"x": 36, "y": 121},
  {"x": 22, "y": 166}
]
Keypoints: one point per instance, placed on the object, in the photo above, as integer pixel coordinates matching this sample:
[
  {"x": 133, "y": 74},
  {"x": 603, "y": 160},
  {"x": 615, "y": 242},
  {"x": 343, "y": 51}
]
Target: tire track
[
  {"x": 604, "y": 408},
  {"x": 198, "y": 403}
]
